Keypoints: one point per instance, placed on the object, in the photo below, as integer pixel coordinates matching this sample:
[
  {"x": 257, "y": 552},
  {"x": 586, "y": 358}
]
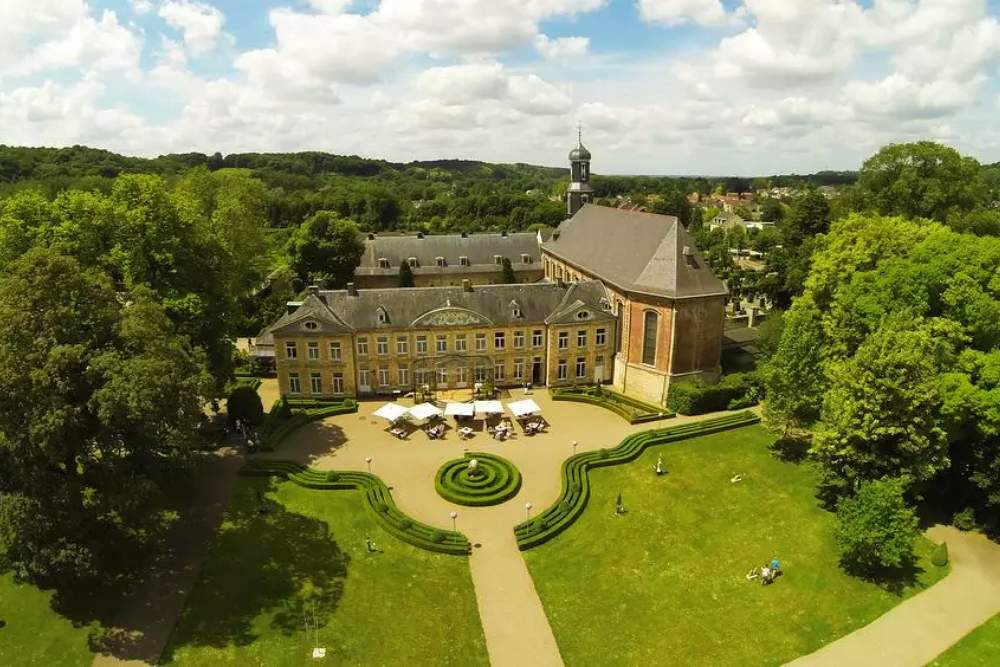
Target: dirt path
[
  {"x": 921, "y": 628},
  {"x": 149, "y": 616}
]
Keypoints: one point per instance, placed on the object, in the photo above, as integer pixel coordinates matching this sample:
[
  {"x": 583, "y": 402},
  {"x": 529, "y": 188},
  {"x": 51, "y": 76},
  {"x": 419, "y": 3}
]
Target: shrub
[
  {"x": 940, "y": 555},
  {"x": 332, "y": 476},
  {"x": 244, "y": 404},
  {"x": 437, "y": 536},
  {"x": 732, "y": 392},
  {"x": 965, "y": 520},
  {"x": 603, "y": 453},
  {"x": 405, "y": 524},
  {"x": 381, "y": 507},
  {"x": 877, "y": 528}
]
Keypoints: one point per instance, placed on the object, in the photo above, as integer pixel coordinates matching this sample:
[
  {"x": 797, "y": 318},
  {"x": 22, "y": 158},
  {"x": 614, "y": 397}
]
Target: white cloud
[
  {"x": 142, "y": 7},
  {"x": 201, "y": 23},
  {"x": 898, "y": 96},
  {"x": 562, "y": 49},
  {"x": 677, "y": 12}
]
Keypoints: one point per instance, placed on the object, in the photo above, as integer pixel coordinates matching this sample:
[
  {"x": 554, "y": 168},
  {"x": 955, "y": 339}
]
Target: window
[
  {"x": 480, "y": 373},
  {"x": 583, "y": 314},
  {"x": 312, "y": 326},
  {"x": 462, "y": 375},
  {"x": 404, "y": 375},
  {"x": 600, "y": 337},
  {"x": 293, "y": 384},
  {"x": 563, "y": 340},
  {"x": 337, "y": 383},
  {"x": 581, "y": 367},
  {"x": 650, "y": 321},
  {"x": 362, "y": 347},
  {"x": 460, "y": 343},
  {"x": 382, "y": 346},
  {"x": 536, "y": 338},
  {"x": 498, "y": 370},
  {"x": 402, "y": 345},
  {"x": 364, "y": 379},
  {"x": 420, "y": 377},
  {"x": 463, "y": 260},
  {"x": 291, "y": 351},
  {"x": 442, "y": 376},
  {"x": 581, "y": 338},
  {"x": 335, "y": 351},
  {"x": 439, "y": 261},
  {"x": 480, "y": 342},
  {"x": 383, "y": 315},
  {"x": 499, "y": 340},
  {"x": 525, "y": 258},
  {"x": 561, "y": 370},
  {"x": 518, "y": 339},
  {"x": 421, "y": 344},
  {"x": 312, "y": 350},
  {"x": 315, "y": 383},
  {"x": 383, "y": 263},
  {"x": 441, "y": 344},
  {"x": 497, "y": 259},
  {"x": 412, "y": 261},
  {"x": 519, "y": 369},
  {"x": 383, "y": 377}
]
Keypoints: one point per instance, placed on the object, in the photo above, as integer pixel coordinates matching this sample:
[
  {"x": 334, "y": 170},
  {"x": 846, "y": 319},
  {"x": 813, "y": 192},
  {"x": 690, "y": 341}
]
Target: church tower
[{"x": 579, "y": 192}]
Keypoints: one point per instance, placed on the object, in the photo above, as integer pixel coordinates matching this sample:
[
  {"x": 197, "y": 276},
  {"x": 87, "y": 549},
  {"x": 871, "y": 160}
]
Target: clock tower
[{"x": 579, "y": 192}]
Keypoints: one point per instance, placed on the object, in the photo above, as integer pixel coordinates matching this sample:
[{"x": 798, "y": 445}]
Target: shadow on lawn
[
  {"x": 266, "y": 560},
  {"x": 314, "y": 440}
]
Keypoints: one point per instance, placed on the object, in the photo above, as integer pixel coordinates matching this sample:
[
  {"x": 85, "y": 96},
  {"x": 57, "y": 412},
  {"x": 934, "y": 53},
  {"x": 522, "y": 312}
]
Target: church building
[{"x": 622, "y": 297}]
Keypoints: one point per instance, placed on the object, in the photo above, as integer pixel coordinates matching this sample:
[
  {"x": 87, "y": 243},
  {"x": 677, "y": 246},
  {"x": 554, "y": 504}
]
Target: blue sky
[{"x": 660, "y": 86}]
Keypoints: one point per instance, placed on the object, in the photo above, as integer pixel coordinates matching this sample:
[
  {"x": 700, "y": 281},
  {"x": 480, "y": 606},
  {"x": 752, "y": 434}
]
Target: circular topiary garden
[{"x": 477, "y": 480}]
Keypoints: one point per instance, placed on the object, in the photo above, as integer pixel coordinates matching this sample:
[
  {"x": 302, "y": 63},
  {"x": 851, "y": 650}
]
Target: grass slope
[
  {"x": 979, "y": 648},
  {"x": 34, "y": 634},
  {"x": 307, "y": 556},
  {"x": 664, "y": 584}
]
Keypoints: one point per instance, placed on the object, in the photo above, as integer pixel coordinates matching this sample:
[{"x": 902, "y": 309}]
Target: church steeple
[{"x": 579, "y": 192}]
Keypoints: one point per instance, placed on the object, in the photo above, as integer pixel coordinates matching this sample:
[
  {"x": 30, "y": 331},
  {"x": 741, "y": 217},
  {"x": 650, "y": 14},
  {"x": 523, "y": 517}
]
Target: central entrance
[{"x": 454, "y": 374}]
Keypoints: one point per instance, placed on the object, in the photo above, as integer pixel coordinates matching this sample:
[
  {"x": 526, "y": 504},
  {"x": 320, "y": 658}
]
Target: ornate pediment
[{"x": 449, "y": 316}]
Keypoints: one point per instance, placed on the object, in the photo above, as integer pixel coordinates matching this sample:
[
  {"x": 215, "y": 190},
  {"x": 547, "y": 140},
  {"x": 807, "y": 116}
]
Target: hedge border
[
  {"x": 510, "y": 477},
  {"x": 377, "y": 496},
  {"x": 578, "y": 395},
  {"x": 575, "y": 493},
  {"x": 274, "y": 430}
]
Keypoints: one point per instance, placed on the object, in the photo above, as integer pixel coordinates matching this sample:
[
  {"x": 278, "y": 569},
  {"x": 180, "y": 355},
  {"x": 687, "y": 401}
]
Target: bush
[
  {"x": 732, "y": 392},
  {"x": 940, "y": 555},
  {"x": 244, "y": 404},
  {"x": 630, "y": 409},
  {"x": 501, "y": 480},
  {"x": 877, "y": 528},
  {"x": 406, "y": 524},
  {"x": 965, "y": 520},
  {"x": 332, "y": 476},
  {"x": 437, "y": 536}
]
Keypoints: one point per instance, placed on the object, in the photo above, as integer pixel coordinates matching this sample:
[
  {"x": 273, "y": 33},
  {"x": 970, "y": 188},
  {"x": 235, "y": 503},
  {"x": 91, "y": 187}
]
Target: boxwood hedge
[
  {"x": 576, "y": 481},
  {"x": 630, "y": 409},
  {"x": 287, "y": 415},
  {"x": 377, "y": 496}
]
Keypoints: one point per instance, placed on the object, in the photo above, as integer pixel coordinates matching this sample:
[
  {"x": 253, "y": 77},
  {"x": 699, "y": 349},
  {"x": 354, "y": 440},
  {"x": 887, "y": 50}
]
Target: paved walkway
[
  {"x": 148, "y": 617},
  {"x": 924, "y": 626}
]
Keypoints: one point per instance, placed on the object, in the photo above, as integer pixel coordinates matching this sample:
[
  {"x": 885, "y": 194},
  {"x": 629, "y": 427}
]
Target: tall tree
[
  {"x": 326, "y": 247},
  {"x": 809, "y": 216},
  {"x": 405, "y": 274},
  {"x": 877, "y": 528},
  {"x": 507, "y": 276}
]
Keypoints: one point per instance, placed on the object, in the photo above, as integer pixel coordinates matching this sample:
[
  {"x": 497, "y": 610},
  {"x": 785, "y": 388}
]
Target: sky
[{"x": 718, "y": 87}]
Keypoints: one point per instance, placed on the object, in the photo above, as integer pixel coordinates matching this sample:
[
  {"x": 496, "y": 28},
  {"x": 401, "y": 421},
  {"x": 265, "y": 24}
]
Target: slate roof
[
  {"x": 479, "y": 248},
  {"x": 493, "y": 305},
  {"x": 634, "y": 251}
]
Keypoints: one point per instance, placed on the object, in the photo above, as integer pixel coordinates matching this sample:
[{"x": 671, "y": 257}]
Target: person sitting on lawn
[
  {"x": 765, "y": 575},
  {"x": 775, "y": 567}
]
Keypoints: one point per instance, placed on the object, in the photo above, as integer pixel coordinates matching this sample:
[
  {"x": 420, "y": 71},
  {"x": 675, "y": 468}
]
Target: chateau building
[{"x": 621, "y": 296}]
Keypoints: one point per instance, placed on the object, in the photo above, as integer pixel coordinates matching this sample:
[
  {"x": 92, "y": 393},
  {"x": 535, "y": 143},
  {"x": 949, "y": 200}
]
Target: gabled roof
[
  {"x": 313, "y": 310},
  {"x": 635, "y": 251},
  {"x": 586, "y": 298},
  {"x": 479, "y": 249}
]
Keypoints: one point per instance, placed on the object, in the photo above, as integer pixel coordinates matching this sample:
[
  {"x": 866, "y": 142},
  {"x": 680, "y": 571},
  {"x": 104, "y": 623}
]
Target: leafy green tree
[
  {"x": 921, "y": 180},
  {"x": 793, "y": 377},
  {"x": 245, "y": 405},
  {"x": 674, "y": 202},
  {"x": 809, "y": 216},
  {"x": 877, "y": 528},
  {"x": 326, "y": 247},
  {"x": 880, "y": 416},
  {"x": 507, "y": 276},
  {"x": 405, "y": 274},
  {"x": 99, "y": 400},
  {"x": 772, "y": 210}
]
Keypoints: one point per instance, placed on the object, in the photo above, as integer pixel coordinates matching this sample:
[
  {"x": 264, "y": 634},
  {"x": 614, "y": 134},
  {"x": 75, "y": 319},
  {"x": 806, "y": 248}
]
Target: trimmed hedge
[
  {"x": 732, "y": 392},
  {"x": 630, "y": 409},
  {"x": 376, "y": 494},
  {"x": 499, "y": 480},
  {"x": 288, "y": 415},
  {"x": 576, "y": 481}
]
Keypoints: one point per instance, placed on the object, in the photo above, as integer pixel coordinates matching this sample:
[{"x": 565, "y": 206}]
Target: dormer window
[
  {"x": 583, "y": 315},
  {"x": 412, "y": 261},
  {"x": 515, "y": 310},
  {"x": 497, "y": 259},
  {"x": 525, "y": 258},
  {"x": 382, "y": 315},
  {"x": 383, "y": 263},
  {"x": 463, "y": 260},
  {"x": 440, "y": 261},
  {"x": 312, "y": 326}
]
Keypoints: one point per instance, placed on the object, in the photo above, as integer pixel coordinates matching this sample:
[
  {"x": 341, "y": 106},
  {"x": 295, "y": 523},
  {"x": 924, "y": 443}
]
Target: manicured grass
[
  {"x": 33, "y": 633},
  {"x": 981, "y": 647},
  {"x": 269, "y": 573},
  {"x": 665, "y": 583}
]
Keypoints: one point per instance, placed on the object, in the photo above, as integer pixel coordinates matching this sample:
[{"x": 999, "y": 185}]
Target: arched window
[{"x": 650, "y": 320}]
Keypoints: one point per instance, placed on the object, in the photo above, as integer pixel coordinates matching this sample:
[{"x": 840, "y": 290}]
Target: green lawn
[
  {"x": 665, "y": 583},
  {"x": 34, "y": 634},
  {"x": 306, "y": 558},
  {"x": 981, "y": 647}
]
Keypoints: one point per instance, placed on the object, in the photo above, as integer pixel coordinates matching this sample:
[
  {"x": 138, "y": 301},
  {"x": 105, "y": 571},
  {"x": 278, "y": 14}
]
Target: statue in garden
[{"x": 619, "y": 505}]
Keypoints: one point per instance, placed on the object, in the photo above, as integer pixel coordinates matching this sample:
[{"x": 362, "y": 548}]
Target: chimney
[
  {"x": 555, "y": 235},
  {"x": 314, "y": 290},
  {"x": 371, "y": 236},
  {"x": 688, "y": 255},
  {"x": 351, "y": 289},
  {"x": 466, "y": 285},
  {"x": 420, "y": 235}
]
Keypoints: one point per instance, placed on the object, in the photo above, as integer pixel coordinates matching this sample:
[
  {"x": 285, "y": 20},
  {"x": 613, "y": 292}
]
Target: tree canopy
[{"x": 326, "y": 248}]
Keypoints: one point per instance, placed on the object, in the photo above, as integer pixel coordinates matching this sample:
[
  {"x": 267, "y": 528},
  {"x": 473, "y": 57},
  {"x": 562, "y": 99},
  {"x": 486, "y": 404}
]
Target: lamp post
[
  {"x": 527, "y": 511},
  {"x": 454, "y": 516},
  {"x": 575, "y": 443},
  {"x": 368, "y": 460}
]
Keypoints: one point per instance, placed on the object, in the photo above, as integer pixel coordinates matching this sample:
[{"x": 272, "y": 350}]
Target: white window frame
[
  {"x": 312, "y": 350},
  {"x": 441, "y": 343},
  {"x": 601, "y": 337},
  {"x": 315, "y": 384},
  {"x": 421, "y": 345},
  {"x": 518, "y": 340},
  {"x": 363, "y": 346},
  {"x": 337, "y": 383},
  {"x": 499, "y": 371},
  {"x": 461, "y": 343},
  {"x": 383, "y": 377},
  {"x": 581, "y": 367},
  {"x": 403, "y": 372},
  {"x": 294, "y": 384},
  {"x": 563, "y": 340},
  {"x": 480, "y": 342},
  {"x": 382, "y": 346},
  {"x": 402, "y": 345},
  {"x": 499, "y": 340},
  {"x": 336, "y": 351},
  {"x": 581, "y": 338},
  {"x": 519, "y": 369},
  {"x": 291, "y": 350},
  {"x": 537, "y": 338},
  {"x": 561, "y": 367}
]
